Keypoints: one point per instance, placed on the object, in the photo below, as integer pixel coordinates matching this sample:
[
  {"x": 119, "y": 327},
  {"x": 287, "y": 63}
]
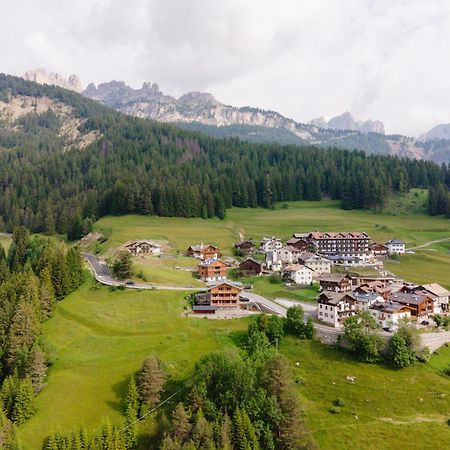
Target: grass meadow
[{"x": 100, "y": 336}]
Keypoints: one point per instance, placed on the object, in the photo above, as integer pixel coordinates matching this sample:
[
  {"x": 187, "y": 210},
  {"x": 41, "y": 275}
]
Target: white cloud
[{"x": 384, "y": 59}]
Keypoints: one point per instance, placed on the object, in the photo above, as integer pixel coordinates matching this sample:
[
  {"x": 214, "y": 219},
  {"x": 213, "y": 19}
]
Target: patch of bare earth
[{"x": 70, "y": 124}]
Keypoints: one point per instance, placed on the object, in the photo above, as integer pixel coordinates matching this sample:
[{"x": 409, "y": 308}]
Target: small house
[
  {"x": 212, "y": 270},
  {"x": 299, "y": 274},
  {"x": 301, "y": 244},
  {"x": 420, "y": 304},
  {"x": 317, "y": 263},
  {"x": 337, "y": 282},
  {"x": 246, "y": 246},
  {"x": 203, "y": 251},
  {"x": 269, "y": 244},
  {"x": 288, "y": 254},
  {"x": 378, "y": 250},
  {"x": 395, "y": 247},
  {"x": 143, "y": 247},
  {"x": 251, "y": 267},
  {"x": 388, "y": 314},
  {"x": 439, "y": 294},
  {"x": 335, "y": 307}
]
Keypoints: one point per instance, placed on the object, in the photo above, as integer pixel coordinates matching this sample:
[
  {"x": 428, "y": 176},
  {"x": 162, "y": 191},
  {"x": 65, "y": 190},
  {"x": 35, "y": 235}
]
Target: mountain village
[{"x": 333, "y": 263}]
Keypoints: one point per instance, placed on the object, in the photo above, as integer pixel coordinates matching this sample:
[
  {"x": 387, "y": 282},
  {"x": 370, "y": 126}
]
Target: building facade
[
  {"x": 212, "y": 270},
  {"x": 334, "y": 308},
  {"x": 352, "y": 244}
]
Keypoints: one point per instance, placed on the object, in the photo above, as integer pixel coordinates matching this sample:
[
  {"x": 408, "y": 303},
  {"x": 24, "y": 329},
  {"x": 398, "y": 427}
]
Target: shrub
[
  {"x": 335, "y": 410},
  {"x": 339, "y": 402}
]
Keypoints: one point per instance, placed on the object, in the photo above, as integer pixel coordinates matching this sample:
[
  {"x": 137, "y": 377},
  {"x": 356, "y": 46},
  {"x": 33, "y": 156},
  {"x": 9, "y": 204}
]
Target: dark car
[
  {"x": 425, "y": 322},
  {"x": 129, "y": 283},
  {"x": 387, "y": 329}
]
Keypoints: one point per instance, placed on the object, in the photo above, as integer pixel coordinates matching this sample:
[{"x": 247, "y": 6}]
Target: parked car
[
  {"x": 129, "y": 283},
  {"x": 388, "y": 330},
  {"x": 425, "y": 322}
]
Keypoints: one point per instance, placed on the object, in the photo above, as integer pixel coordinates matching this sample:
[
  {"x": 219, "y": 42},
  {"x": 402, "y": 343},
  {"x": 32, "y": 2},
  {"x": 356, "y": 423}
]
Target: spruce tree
[{"x": 24, "y": 402}]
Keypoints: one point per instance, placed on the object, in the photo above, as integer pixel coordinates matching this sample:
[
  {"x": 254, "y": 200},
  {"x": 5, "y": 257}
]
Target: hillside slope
[{"x": 111, "y": 163}]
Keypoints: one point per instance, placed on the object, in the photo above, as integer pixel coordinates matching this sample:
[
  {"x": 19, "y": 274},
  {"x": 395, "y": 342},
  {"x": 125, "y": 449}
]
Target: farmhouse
[
  {"x": 143, "y": 247},
  {"x": 269, "y": 244},
  {"x": 272, "y": 261},
  {"x": 388, "y": 314},
  {"x": 317, "y": 263},
  {"x": 246, "y": 246},
  {"x": 220, "y": 295},
  {"x": 421, "y": 305},
  {"x": 395, "y": 247},
  {"x": 439, "y": 294},
  {"x": 212, "y": 270},
  {"x": 251, "y": 267},
  {"x": 352, "y": 244},
  {"x": 335, "y": 307},
  {"x": 337, "y": 282},
  {"x": 203, "y": 251},
  {"x": 299, "y": 274}
]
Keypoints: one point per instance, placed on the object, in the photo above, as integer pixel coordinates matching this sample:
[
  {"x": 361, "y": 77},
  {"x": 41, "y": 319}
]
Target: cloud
[{"x": 384, "y": 59}]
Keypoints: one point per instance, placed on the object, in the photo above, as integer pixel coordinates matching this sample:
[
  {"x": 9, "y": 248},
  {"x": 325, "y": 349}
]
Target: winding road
[{"x": 103, "y": 275}]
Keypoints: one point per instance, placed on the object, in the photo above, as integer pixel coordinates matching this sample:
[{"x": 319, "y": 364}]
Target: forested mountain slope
[{"x": 118, "y": 164}]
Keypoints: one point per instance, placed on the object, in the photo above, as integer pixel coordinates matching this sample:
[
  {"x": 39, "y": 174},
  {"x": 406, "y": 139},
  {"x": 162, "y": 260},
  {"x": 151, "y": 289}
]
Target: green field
[
  {"x": 101, "y": 337},
  {"x": 430, "y": 265},
  {"x": 384, "y": 408}
]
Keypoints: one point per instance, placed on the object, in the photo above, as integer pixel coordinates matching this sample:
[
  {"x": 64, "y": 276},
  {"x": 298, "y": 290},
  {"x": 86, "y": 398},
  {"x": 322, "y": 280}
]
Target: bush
[
  {"x": 339, "y": 402},
  {"x": 335, "y": 410},
  {"x": 275, "y": 278}
]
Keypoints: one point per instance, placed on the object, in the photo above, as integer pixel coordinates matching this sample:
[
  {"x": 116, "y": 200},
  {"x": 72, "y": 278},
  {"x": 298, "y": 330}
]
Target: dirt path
[{"x": 429, "y": 243}]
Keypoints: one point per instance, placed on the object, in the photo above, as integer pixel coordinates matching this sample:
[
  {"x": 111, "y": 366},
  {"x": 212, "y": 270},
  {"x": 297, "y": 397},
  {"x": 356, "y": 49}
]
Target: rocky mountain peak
[
  {"x": 198, "y": 98},
  {"x": 41, "y": 76},
  {"x": 345, "y": 121},
  {"x": 441, "y": 131}
]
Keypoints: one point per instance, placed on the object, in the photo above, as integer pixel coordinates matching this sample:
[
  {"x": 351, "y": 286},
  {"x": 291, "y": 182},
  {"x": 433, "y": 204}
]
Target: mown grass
[
  {"x": 100, "y": 338},
  {"x": 425, "y": 266},
  {"x": 256, "y": 223},
  {"x": 267, "y": 288},
  {"x": 384, "y": 408},
  {"x": 167, "y": 270}
]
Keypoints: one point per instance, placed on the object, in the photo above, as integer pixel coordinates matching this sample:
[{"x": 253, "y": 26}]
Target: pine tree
[
  {"x": 181, "y": 424},
  {"x": 249, "y": 431},
  {"x": 24, "y": 402},
  {"x": 51, "y": 443},
  {"x": 36, "y": 367},
  {"x": 239, "y": 437},
  {"x": 150, "y": 381},
  {"x": 47, "y": 293},
  {"x": 60, "y": 276},
  {"x": 74, "y": 269},
  {"x": 226, "y": 432},
  {"x": 202, "y": 433}
]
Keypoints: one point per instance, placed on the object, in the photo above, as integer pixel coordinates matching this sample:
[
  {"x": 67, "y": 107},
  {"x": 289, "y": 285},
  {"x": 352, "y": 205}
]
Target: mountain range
[{"x": 203, "y": 112}]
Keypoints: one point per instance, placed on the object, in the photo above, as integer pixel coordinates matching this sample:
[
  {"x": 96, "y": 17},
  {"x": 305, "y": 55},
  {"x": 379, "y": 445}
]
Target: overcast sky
[{"x": 378, "y": 59}]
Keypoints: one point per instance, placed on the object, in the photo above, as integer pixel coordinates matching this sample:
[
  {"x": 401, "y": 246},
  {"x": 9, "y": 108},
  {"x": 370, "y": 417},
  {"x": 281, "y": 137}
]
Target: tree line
[
  {"x": 142, "y": 167},
  {"x": 35, "y": 273}
]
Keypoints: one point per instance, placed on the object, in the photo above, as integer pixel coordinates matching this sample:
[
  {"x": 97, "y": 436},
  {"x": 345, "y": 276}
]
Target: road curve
[{"x": 104, "y": 276}]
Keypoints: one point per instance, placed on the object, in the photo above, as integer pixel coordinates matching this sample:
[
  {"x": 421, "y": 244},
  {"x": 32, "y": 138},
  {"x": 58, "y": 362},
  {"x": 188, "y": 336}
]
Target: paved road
[
  {"x": 265, "y": 304},
  {"x": 103, "y": 275}
]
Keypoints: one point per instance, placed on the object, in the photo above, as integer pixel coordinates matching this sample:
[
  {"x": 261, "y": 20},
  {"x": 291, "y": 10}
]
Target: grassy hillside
[
  {"x": 101, "y": 337},
  {"x": 430, "y": 264}
]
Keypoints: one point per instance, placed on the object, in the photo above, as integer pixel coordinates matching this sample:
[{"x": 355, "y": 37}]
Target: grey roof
[
  {"x": 407, "y": 297},
  {"x": 395, "y": 241},
  {"x": 332, "y": 277},
  {"x": 436, "y": 289},
  {"x": 334, "y": 298},
  {"x": 367, "y": 297},
  {"x": 388, "y": 306}
]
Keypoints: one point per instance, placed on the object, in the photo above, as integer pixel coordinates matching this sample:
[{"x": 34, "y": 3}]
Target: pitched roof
[
  {"x": 403, "y": 297},
  {"x": 340, "y": 235},
  {"x": 435, "y": 289},
  {"x": 252, "y": 260},
  {"x": 334, "y": 298},
  {"x": 200, "y": 247},
  {"x": 332, "y": 277},
  {"x": 396, "y": 241},
  {"x": 208, "y": 262},
  {"x": 212, "y": 284},
  {"x": 389, "y": 307}
]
